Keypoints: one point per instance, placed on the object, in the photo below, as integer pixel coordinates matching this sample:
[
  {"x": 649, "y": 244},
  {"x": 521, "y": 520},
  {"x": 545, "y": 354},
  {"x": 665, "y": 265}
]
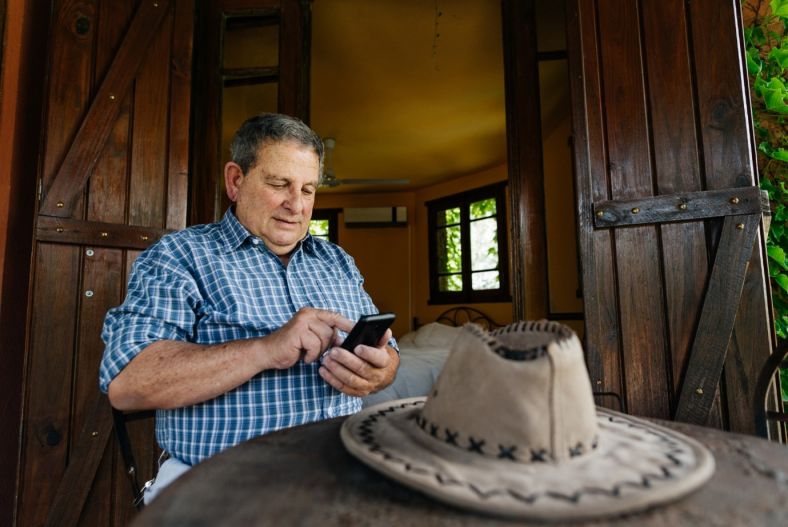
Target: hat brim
[{"x": 636, "y": 465}]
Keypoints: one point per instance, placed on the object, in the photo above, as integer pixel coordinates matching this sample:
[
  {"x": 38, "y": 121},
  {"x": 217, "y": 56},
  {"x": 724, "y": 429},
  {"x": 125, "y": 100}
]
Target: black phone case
[{"x": 368, "y": 330}]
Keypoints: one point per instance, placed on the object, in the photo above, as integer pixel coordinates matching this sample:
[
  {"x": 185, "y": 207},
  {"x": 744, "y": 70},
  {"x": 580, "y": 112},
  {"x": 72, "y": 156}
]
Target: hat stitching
[
  {"x": 646, "y": 481},
  {"x": 477, "y": 444}
]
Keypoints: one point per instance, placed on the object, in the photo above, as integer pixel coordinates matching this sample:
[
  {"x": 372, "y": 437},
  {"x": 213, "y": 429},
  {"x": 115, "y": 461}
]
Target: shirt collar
[{"x": 234, "y": 234}]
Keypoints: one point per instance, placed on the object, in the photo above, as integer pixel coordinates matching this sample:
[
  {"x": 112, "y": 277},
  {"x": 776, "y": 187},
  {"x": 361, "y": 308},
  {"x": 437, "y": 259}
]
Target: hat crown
[{"x": 520, "y": 392}]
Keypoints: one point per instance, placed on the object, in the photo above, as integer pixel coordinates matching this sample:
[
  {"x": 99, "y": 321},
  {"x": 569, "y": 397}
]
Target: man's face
[{"x": 274, "y": 199}]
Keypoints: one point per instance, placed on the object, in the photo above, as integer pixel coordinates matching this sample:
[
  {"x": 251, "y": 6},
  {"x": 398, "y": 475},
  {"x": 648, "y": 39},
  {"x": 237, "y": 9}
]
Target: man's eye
[{"x": 308, "y": 191}]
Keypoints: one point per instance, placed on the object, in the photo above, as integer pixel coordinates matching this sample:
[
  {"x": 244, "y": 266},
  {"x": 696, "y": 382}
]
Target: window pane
[
  {"x": 449, "y": 216},
  {"x": 250, "y": 42},
  {"x": 483, "y": 209},
  {"x": 238, "y": 103},
  {"x": 484, "y": 244},
  {"x": 449, "y": 250},
  {"x": 485, "y": 280},
  {"x": 319, "y": 228},
  {"x": 450, "y": 283}
]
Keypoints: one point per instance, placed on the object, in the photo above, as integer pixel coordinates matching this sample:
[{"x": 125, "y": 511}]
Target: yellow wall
[
  {"x": 383, "y": 255},
  {"x": 563, "y": 276}
]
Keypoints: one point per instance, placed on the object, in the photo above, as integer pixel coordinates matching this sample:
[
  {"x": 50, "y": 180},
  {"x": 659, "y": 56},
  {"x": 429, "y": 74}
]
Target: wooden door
[
  {"x": 661, "y": 111},
  {"x": 113, "y": 179}
]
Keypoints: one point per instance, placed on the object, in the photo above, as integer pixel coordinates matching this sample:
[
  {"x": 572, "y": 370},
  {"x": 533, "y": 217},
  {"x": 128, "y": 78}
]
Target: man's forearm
[{"x": 171, "y": 374}]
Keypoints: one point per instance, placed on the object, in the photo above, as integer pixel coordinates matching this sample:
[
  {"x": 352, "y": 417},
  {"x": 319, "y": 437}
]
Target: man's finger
[
  {"x": 334, "y": 319},
  {"x": 376, "y": 357}
]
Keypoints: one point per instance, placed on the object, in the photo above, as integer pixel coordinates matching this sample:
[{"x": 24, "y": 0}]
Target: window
[
  {"x": 468, "y": 254},
  {"x": 324, "y": 224}
]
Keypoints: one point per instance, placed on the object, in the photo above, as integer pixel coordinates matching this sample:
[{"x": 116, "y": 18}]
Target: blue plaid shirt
[{"x": 216, "y": 283}]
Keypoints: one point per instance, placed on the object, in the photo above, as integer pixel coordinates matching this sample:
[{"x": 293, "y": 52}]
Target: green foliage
[
  {"x": 766, "y": 42},
  {"x": 319, "y": 228}
]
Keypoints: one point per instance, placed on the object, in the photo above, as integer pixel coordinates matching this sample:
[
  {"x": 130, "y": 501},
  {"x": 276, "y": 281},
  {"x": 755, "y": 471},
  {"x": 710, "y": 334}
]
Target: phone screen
[{"x": 368, "y": 330}]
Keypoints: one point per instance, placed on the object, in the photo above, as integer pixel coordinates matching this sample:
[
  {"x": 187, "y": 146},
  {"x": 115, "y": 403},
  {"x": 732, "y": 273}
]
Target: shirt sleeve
[{"x": 162, "y": 303}]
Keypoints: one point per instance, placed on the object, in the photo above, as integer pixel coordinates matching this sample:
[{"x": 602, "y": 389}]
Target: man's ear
[{"x": 233, "y": 178}]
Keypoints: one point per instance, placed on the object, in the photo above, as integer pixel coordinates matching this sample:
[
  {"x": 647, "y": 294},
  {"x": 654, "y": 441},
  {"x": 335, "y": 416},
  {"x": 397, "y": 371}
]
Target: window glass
[
  {"x": 319, "y": 228},
  {"x": 467, "y": 254},
  {"x": 484, "y": 244}
]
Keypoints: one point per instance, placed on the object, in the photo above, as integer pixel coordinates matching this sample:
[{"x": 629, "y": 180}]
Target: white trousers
[{"x": 169, "y": 471}]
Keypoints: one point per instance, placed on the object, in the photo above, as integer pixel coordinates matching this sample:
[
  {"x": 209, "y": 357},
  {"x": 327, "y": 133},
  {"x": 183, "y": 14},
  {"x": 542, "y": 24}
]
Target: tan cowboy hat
[{"x": 510, "y": 428}]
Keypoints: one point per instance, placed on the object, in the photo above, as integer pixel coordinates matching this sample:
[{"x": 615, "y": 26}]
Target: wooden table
[{"x": 304, "y": 476}]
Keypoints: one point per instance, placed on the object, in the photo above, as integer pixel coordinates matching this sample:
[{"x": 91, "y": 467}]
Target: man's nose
[{"x": 295, "y": 201}]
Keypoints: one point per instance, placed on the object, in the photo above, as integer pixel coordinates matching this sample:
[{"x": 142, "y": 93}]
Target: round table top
[{"x": 304, "y": 476}]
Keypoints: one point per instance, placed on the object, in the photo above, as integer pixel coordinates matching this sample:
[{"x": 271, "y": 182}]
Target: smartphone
[{"x": 368, "y": 330}]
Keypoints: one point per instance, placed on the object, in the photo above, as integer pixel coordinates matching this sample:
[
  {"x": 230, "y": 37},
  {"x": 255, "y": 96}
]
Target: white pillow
[
  {"x": 436, "y": 335},
  {"x": 408, "y": 339}
]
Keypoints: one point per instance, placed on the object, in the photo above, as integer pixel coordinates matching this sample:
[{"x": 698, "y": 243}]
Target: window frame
[
  {"x": 463, "y": 201},
  {"x": 332, "y": 215}
]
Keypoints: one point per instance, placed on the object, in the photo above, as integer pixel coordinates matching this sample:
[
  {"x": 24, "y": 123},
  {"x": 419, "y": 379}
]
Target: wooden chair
[
  {"x": 121, "y": 433},
  {"x": 768, "y": 380}
]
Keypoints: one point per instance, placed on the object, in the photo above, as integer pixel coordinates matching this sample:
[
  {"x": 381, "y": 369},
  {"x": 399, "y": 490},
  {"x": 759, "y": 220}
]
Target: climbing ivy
[{"x": 766, "y": 47}]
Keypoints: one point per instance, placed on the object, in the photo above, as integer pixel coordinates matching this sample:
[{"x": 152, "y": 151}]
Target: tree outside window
[
  {"x": 467, "y": 256},
  {"x": 324, "y": 224}
]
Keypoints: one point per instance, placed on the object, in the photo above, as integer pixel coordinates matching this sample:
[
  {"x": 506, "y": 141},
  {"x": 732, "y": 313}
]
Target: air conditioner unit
[{"x": 365, "y": 217}]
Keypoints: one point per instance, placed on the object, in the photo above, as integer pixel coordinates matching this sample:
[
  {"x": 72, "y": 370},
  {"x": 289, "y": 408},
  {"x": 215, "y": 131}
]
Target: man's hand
[
  {"x": 368, "y": 370},
  {"x": 305, "y": 336}
]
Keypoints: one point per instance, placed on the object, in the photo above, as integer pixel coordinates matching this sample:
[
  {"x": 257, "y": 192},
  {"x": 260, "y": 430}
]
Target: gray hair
[{"x": 271, "y": 127}]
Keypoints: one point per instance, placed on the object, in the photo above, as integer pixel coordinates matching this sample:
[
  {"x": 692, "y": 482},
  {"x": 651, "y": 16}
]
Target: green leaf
[
  {"x": 754, "y": 62},
  {"x": 779, "y": 7},
  {"x": 780, "y": 154},
  {"x": 775, "y": 95},
  {"x": 782, "y": 281},
  {"x": 780, "y": 56},
  {"x": 777, "y": 254}
]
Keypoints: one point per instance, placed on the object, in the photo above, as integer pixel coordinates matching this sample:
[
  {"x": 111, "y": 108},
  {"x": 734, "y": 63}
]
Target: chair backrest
[
  {"x": 121, "y": 433},
  {"x": 768, "y": 397}
]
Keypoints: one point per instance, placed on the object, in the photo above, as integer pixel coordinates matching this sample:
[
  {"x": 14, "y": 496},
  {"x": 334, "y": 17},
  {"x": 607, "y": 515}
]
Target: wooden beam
[
  {"x": 710, "y": 345},
  {"x": 97, "y": 234},
  {"x": 77, "y": 166},
  {"x": 685, "y": 206},
  {"x": 81, "y": 471}
]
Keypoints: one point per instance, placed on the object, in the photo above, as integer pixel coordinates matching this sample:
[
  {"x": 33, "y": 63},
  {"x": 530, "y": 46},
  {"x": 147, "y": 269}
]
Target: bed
[{"x": 423, "y": 352}]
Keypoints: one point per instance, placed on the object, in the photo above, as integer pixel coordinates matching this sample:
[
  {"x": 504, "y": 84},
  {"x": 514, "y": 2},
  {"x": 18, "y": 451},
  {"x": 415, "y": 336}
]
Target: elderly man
[{"x": 224, "y": 326}]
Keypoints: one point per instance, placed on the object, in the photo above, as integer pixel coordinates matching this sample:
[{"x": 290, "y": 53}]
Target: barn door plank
[
  {"x": 103, "y": 269},
  {"x": 729, "y": 161},
  {"x": 602, "y": 344},
  {"x": 48, "y": 383},
  {"x": 720, "y": 305},
  {"x": 74, "y": 487},
  {"x": 180, "y": 99},
  {"x": 61, "y": 191},
  {"x": 148, "y": 184},
  {"x": 641, "y": 299}
]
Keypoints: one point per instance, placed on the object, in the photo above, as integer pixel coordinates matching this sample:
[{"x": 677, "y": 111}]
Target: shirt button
[{"x": 255, "y": 241}]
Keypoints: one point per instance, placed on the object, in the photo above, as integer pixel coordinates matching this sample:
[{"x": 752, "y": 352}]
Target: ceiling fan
[{"x": 330, "y": 180}]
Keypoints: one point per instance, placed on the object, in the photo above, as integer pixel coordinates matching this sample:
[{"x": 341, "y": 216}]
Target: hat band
[{"x": 493, "y": 449}]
